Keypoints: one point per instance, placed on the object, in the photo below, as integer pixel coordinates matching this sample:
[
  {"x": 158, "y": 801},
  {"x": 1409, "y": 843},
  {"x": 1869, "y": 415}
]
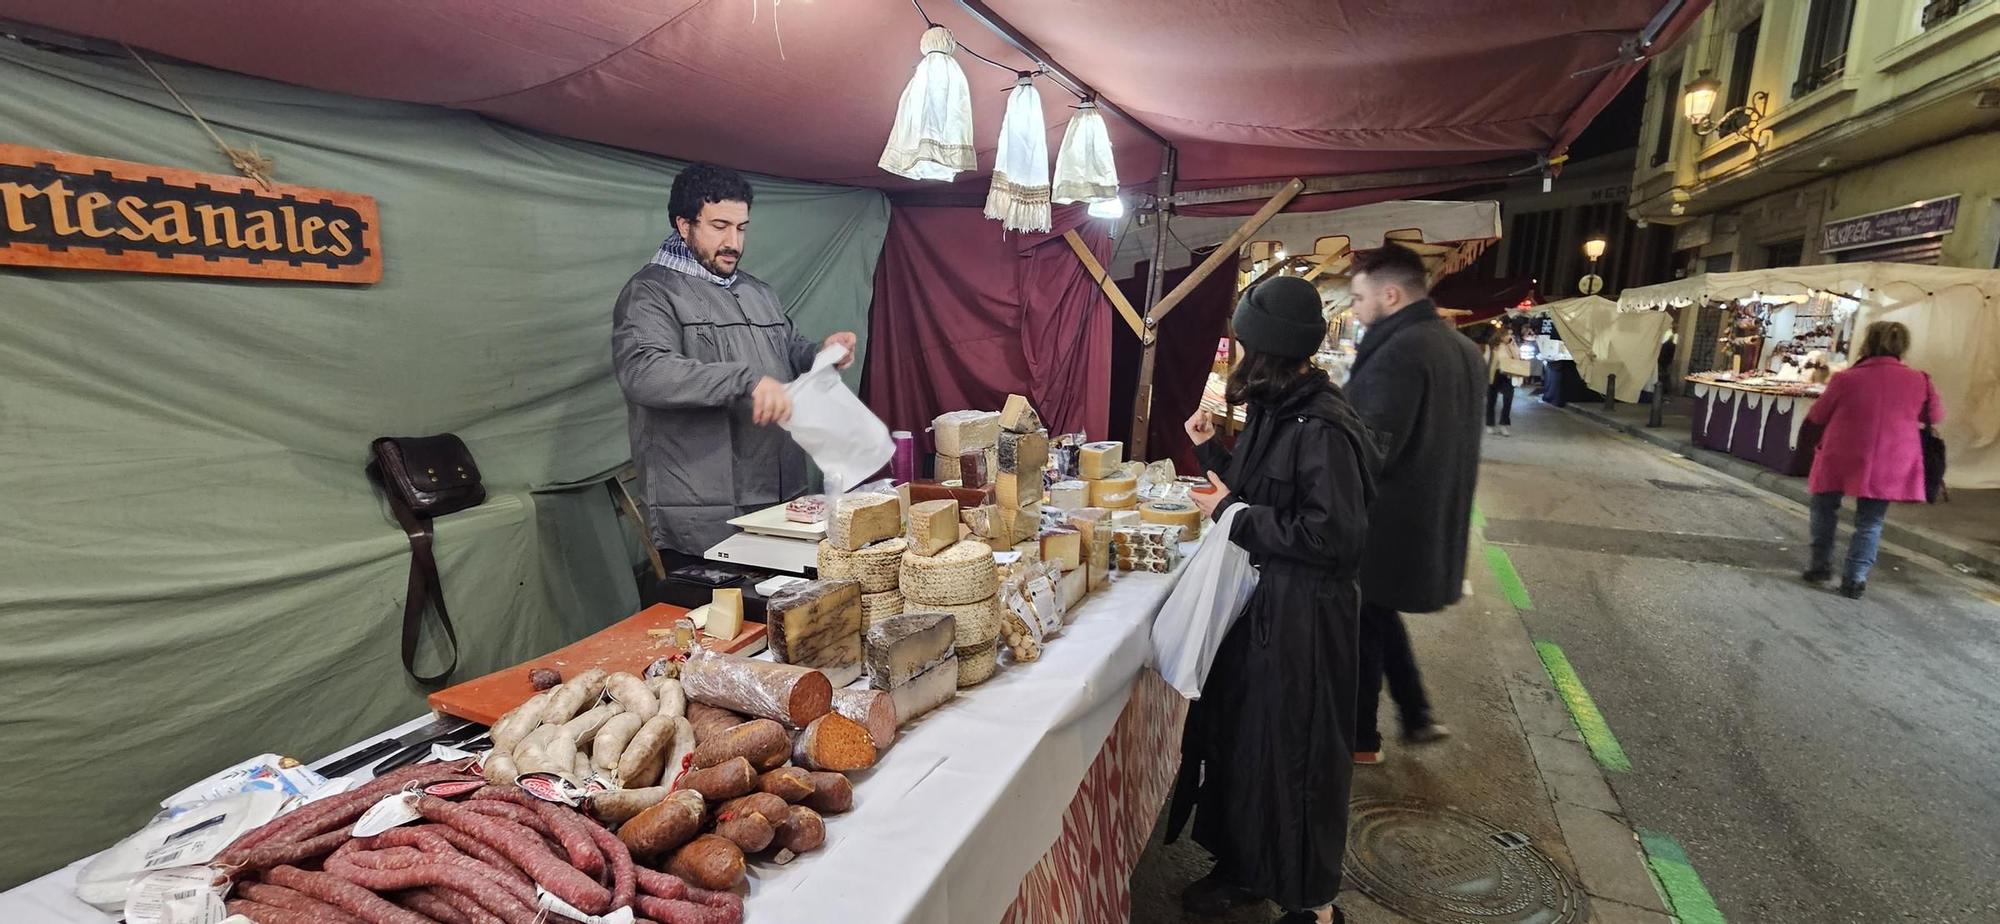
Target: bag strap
[
  {"x": 425, "y": 588},
  {"x": 1929, "y": 388}
]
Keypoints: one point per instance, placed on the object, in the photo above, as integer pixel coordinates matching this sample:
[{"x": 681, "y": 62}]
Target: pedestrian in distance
[
  {"x": 1265, "y": 753},
  {"x": 1869, "y": 450},
  {"x": 1418, "y": 384},
  {"x": 1498, "y": 344}
]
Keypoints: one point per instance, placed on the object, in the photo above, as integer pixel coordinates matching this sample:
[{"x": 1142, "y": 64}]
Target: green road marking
[
  {"x": 1686, "y": 896},
  {"x": 1582, "y": 709},
  {"x": 1478, "y": 519},
  {"x": 1510, "y": 582}
]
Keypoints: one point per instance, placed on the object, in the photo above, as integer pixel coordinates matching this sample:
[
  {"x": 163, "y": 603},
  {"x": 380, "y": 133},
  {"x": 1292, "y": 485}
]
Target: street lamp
[
  {"x": 1593, "y": 248},
  {"x": 1698, "y": 104}
]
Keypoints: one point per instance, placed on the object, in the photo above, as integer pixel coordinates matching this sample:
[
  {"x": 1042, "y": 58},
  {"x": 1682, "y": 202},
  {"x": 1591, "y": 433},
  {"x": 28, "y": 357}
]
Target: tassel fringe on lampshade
[
  {"x": 932, "y": 137},
  {"x": 1019, "y": 199},
  {"x": 1085, "y": 171}
]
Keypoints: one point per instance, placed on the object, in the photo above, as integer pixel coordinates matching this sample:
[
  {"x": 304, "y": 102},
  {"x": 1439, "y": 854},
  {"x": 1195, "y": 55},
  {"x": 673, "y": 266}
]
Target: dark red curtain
[
  {"x": 963, "y": 315},
  {"x": 1181, "y": 360}
]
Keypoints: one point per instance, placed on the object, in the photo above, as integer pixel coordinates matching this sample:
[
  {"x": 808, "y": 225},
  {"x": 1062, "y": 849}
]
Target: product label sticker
[
  {"x": 453, "y": 788},
  {"x": 183, "y": 895},
  {"x": 198, "y": 842},
  {"x": 560, "y": 908},
  {"x": 549, "y": 787},
  {"x": 395, "y": 809}
]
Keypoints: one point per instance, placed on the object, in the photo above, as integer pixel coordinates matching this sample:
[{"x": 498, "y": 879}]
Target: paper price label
[
  {"x": 185, "y": 895},
  {"x": 394, "y": 810}
]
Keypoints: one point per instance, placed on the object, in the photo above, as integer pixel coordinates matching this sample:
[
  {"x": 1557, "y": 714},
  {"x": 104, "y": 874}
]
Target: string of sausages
[{"x": 476, "y": 861}]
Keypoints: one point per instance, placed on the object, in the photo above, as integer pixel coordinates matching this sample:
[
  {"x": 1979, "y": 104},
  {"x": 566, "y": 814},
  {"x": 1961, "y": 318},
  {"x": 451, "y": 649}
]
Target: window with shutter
[{"x": 1824, "y": 56}]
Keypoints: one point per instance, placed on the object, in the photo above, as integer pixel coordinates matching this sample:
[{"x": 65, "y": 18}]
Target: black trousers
[
  {"x": 1502, "y": 390},
  {"x": 1386, "y": 655}
]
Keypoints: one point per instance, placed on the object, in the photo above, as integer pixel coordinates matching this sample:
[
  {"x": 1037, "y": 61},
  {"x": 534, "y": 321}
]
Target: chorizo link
[
  {"x": 428, "y": 902},
  {"x": 402, "y": 858},
  {"x": 466, "y": 906},
  {"x": 676, "y": 911},
  {"x": 318, "y": 817},
  {"x": 567, "y": 825},
  {"x": 561, "y": 879},
  {"x": 269, "y": 914},
  {"x": 280, "y": 897},
  {"x": 624, "y": 882},
  {"x": 344, "y": 895},
  {"x": 508, "y": 908}
]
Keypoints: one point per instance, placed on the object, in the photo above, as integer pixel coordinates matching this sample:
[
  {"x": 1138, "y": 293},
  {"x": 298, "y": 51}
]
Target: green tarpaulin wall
[{"x": 193, "y": 569}]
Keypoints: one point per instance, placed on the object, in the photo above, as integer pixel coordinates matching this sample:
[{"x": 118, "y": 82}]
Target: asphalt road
[{"x": 1821, "y": 759}]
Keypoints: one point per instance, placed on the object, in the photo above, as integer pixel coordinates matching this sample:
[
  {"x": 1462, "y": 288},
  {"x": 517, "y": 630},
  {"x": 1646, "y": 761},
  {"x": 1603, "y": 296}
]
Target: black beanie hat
[{"x": 1281, "y": 316}]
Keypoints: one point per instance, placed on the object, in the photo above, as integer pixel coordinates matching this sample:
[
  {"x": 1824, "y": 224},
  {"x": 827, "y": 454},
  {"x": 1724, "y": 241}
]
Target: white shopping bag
[
  {"x": 1213, "y": 588},
  {"x": 845, "y": 439}
]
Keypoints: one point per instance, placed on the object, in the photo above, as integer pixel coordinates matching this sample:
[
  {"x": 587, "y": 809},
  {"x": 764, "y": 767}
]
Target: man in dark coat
[
  {"x": 1418, "y": 384},
  {"x": 1265, "y": 766}
]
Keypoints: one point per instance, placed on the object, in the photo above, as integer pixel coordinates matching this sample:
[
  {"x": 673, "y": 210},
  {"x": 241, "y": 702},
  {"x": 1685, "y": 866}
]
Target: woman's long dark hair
[{"x": 1263, "y": 378}]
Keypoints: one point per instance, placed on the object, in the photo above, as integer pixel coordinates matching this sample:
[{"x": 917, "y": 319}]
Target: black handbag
[
  {"x": 425, "y": 477},
  {"x": 1933, "y": 448}
]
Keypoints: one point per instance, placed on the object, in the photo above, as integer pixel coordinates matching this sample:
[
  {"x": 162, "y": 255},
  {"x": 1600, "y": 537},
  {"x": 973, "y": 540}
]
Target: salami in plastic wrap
[{"x": 785, "y": 693}]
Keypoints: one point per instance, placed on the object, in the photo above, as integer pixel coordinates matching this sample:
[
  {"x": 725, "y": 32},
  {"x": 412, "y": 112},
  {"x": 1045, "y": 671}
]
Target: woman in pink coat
[{"x": 1872, "y": 413}]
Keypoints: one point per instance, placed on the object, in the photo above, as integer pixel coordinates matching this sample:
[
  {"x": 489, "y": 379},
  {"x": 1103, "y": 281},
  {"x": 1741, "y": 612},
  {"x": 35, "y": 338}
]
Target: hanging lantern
[
  {"x": 932, "y": 137},
  {"x": 1085, "y": 171},
  {"x": 1019, "y": 199}
]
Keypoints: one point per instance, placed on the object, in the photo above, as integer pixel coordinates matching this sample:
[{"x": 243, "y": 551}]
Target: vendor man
[{"x": 703, "y": 352}]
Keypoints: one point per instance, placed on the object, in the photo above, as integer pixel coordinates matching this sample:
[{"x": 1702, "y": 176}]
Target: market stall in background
[
  {"x": 1758, "y": 347},
  {"x": 425, "y": 232}
]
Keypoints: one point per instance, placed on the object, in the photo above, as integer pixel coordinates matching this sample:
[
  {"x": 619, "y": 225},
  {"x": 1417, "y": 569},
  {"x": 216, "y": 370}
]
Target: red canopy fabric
[
  {"x": 1181, "y": 361},
  {"x": 964, "y": 316},
  {"x": 808, "y": 89}
]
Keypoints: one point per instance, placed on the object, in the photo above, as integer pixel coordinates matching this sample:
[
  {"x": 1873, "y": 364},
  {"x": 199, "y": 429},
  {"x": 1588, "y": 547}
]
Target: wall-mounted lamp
[{"x": 1698, "y": 104}]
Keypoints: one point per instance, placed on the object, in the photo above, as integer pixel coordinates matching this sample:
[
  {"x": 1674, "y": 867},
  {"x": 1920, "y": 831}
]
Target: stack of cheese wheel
[
  {"x": 877, "y": 607},
  {"x": 962, "y": 581},
  {"x": 876, "y": 566}
]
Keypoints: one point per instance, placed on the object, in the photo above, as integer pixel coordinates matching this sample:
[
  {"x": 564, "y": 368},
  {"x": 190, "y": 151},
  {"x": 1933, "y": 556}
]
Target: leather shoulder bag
[
  {"x": 425, "y": 477},
  {"x": 1933, "y": 448}
]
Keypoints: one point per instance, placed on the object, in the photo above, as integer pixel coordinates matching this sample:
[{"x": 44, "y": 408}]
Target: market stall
[
  {"x": 1604, "y": 342},
  {"x": 200, "y": 568},
  {"x": 1753, "y": 420},
  {"x": 1954, "y": 319}
]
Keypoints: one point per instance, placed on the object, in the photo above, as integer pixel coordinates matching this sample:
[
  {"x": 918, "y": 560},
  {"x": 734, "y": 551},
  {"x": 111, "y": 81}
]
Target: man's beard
[{"x": 712, "y": 262}]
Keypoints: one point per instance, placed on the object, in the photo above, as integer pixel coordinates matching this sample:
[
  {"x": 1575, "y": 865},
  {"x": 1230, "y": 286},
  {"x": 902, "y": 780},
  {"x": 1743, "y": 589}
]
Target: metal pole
[
  {"x": 1142, "y": 397},
  {"x": 1611, "y": 392},
  {"x": 1655, "y": 417}
]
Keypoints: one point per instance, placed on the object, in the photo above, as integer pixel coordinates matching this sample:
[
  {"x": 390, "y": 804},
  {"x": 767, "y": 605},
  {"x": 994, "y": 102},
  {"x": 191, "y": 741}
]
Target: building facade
[{"x": 1839, "y": 130}]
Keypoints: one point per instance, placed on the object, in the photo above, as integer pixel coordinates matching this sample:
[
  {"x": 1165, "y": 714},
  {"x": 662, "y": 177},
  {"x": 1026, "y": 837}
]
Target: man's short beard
[{"x": 711, "y": 262}]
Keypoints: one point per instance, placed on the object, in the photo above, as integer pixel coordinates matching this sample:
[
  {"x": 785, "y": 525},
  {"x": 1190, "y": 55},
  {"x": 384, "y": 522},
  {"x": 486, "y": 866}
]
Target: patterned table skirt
[{"x": 1086, "y": 875}]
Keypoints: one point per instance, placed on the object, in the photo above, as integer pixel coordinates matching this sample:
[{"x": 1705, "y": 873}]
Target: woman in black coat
[{"x": 1266, "y": 755}]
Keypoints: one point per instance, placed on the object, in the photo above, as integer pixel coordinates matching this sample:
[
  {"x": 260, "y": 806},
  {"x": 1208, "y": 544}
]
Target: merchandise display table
[
  {"x": 1750, "y": 423},
  {"x": 1028, "y": 798}
]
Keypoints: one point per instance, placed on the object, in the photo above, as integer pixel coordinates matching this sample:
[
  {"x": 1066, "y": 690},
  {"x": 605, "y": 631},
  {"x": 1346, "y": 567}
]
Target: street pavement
[
  {"x": 1818, "y": 759},
  {"x": 1821, "y": 759}
]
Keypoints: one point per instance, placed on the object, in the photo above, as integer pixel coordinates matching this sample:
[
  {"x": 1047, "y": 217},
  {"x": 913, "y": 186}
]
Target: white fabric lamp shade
[
  {"x": 932, "y": 137},
  {"x": 1085, "y": 171},
  {"x": 1019, "y": 199}
]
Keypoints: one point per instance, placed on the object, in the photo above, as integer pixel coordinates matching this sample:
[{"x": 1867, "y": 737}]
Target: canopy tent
[
  {"x": 1954, "y": 319},
  {"x": 1458, "y": 231},
  {"x": 808, "y": 90},
  {"x": 1605, "y": 342}
]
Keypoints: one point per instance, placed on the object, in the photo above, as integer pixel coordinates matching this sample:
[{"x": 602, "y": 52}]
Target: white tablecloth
[{"x": 957, "y": 812}]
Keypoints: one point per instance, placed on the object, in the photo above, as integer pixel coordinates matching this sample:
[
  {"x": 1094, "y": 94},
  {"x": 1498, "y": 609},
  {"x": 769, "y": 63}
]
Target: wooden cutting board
[{"x": 627, "y": 646}]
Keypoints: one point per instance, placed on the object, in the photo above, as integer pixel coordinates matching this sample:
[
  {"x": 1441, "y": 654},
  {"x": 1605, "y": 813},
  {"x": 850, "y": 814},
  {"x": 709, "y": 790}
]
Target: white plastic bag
[
  {"x": 845, "y": 439},
  {"x": 1213, "y": 588}
]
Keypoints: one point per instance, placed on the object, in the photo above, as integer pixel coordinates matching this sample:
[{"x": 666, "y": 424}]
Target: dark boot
[
  {"x": 1853, "y": 590},
  {"x": 1213, "y": 896},
  {"x": 1818, "y": 574},
  {"x": 1308, "y": 917}
]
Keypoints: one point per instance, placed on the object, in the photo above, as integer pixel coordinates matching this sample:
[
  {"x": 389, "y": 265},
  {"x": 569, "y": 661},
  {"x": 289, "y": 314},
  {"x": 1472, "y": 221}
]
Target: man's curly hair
[{"x": 701, "y": 184}]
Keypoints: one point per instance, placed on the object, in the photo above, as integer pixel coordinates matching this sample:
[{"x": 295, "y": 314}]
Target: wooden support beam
[
  {"x": 1156, "y": 275},
  {"x": 1223, "y": 253},
  {"x": 1097, "y": 272},
  {"x": 1344, "y": 257},
  {"x": 1427, "y": 176}
]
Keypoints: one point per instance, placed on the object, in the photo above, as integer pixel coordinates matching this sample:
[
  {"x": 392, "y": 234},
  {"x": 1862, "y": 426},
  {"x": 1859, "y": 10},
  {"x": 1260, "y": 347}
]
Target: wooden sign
[{"x": 75, "y": 212}]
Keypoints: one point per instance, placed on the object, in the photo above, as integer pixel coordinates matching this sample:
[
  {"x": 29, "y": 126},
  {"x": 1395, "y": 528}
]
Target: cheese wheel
[
  {"x": 1173, "y": 513},
  {"x": 875, "y": 566},
  {"x": 879, "y": 606},
  {"x": 962, "y": 573},
  {"x": 1115, "y": 493},
  {"x": 978, "y": 664},
  {"x": 978, "y": 622}
]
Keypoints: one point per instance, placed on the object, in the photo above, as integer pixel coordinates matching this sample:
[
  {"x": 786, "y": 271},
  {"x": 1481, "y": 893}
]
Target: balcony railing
[{"x": 1938, "y": 11}]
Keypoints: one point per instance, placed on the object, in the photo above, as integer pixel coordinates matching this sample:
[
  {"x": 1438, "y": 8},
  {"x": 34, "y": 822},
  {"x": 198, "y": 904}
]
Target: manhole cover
[{"x": 1442, "y": 866}]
